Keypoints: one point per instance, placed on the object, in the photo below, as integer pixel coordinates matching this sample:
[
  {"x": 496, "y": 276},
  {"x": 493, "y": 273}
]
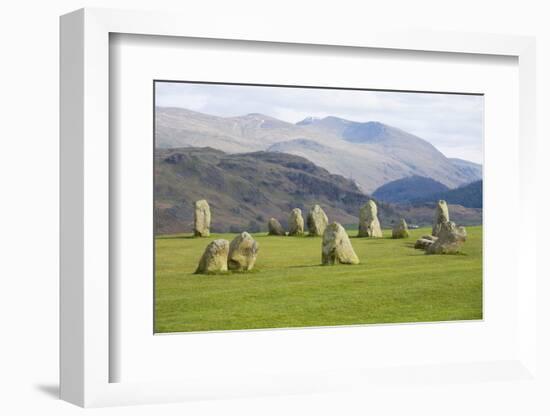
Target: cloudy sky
[{"x": 452, "y": 123}]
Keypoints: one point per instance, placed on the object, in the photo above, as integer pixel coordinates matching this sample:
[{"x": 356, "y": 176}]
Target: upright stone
[
  {"x": 400, "y": 230},
  {"x": 274, "y": 227},
  {"x": 243, "y": 251},
  {"x": 441, "y": 216},
  {"x": 214, "y": 258},
  {"x": 317, "y": 221},
  {"x": 449, "y": 241},
  {"x": 337, "y": 248},
  {"x": 369, "y": 226},
  {"x": 202, "y": 219},
  {"x": 296, "y": 222}
]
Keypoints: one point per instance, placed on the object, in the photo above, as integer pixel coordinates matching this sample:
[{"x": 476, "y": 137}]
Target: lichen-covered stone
[
  {"x": 450, "y": 239},
  {"x": 214, "y": 258},
  {"x": 336, "y": 247},
  {"x": 296, "y": 222},
  {"x": 317, "y": 221},
  {"x": 400, "y": 229},
  {"x": 202, "y": 219},
  {"x": 274, "y": 227},
  {"x": 369, "y": 225},
  {"x": 243, "y": 251},
  {"x": 441, "y": 216},
  {"x": 423, "y": 243}
]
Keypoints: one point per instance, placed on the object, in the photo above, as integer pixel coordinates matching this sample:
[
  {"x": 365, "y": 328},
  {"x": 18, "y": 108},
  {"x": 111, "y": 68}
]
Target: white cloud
[{"x": 453, "y": 123}]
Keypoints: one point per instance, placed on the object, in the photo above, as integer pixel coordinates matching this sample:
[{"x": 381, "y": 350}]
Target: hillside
[
  {"x": 409, "y": 189},
  {"x": 468, "y": 168},
  {"x": 370, "y": 153},
  {"x": 470, "y": 195},
  {"x": 245, "y": 190},
  {"x": 422, "y": 213}
]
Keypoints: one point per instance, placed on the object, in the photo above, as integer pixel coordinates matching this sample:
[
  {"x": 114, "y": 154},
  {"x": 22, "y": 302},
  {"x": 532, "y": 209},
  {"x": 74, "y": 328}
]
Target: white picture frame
[{"x": 85, "y": 211}]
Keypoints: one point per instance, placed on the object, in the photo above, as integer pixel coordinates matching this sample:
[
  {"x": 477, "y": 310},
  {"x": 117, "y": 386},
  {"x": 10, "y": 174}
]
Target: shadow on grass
[
  {"x": 304, "y": 266},
  {"x": 178, "y": 237},
  {"x": 229, "y": 273},
  {"x": 459, "y": 254}
]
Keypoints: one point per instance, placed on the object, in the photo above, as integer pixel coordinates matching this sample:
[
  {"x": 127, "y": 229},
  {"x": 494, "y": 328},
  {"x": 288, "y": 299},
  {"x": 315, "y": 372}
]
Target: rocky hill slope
[{"x": 244, "y": 190}]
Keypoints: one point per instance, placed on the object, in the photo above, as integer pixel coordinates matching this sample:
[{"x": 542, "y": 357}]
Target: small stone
[
  {"x": 400, "y": 230},
  {"x": 441, "y": 216},
  {"x": 214, "y": 258},
  {"x": 243, "y": 251},
  {"x": 423, "y": 243},
  {"x": 202, "y": 219},
  {"x": 369, "y": 225},
  {"x": 337, "y": 248},
  {"x": 296, "y": 222},
  {"x": 317, "y": 221},
  {"x": 450, "y": 239},
  {"x": 274, "y": 227}
]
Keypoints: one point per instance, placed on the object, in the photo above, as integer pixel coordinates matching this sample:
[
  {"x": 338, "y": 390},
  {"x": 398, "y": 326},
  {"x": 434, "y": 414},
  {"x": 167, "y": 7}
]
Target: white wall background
[{"x": 29, "y": 208}]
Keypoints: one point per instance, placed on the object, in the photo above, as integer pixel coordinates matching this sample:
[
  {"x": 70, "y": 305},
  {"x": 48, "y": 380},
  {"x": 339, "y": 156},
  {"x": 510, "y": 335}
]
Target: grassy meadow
[{"x": 289, "y": 288}]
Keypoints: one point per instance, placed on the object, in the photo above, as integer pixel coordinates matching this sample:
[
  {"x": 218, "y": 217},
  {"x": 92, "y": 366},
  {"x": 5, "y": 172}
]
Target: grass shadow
[
  {"x": 178, "y": 237},
  {"x": 304, "y": 266}
]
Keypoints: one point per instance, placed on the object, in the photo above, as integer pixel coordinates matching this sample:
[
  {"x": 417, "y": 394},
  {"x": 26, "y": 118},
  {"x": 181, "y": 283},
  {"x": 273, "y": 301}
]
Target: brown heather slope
[{"x": 244, "y": 190}]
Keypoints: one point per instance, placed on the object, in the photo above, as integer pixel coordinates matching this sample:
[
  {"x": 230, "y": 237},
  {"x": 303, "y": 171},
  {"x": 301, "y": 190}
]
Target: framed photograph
[
  {"x": 259, "y": 187},
  {"x": 267, "y": 212}
]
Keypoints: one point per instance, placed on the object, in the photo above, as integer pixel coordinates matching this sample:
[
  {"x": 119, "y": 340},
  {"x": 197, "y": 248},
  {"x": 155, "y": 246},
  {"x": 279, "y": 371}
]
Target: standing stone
[
  {"x": 202, "y": 219},
  {"x": 214, "y": 258},
  {"x": 316, "y": 221},
  {"x": 296, "y": 222},
  {"x": 449, "y": 241},
  {"x": 243, "y": 251},
  {"x": 274, "y": 227},
  {"x": 441, "y": 216},
  {"x": 337, "y": 248},
  {"x": 400, "y": 230},
  {"x": 369, "y": 226}
]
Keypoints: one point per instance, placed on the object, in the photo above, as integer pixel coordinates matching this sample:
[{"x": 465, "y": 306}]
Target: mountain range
[
  {"x": 369, "y": 153},
  {"x": 244, "y": 190},
  {"x": 417, "y": 190}
]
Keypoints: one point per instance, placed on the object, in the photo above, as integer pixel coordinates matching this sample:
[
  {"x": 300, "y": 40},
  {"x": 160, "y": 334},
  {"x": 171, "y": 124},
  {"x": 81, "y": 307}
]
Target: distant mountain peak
[
  {"x": 308, "y": 120},
  {"x": 261, "y": 121},
  {"x": 255, "y": 116},
  {"x": 334, "y": 118},
  {"x": 371, "y": 131}
]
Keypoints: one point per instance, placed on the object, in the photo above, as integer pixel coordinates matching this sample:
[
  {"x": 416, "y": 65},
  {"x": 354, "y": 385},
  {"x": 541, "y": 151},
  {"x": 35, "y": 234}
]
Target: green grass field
[{"x": 289, "y": 288}]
